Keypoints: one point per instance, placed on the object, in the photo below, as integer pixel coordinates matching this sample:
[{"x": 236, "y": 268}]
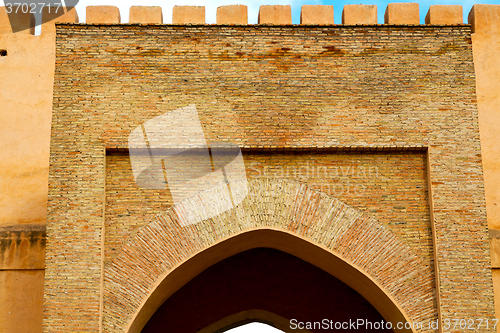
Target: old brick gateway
[
  {"x": 263, "y": 87},
  {"x": 395, "y": 98}
]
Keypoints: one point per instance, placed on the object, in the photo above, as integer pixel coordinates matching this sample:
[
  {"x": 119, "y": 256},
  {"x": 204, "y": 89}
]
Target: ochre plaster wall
[
  {"x": 486, "y": 48},
  {"x": 27, "y": 78},
  {"x": 21, "y": 301},
  {"x": 485, "y": 20},
  {"x": 26, "y": 110},
  {"x": 27, "y": 74}
]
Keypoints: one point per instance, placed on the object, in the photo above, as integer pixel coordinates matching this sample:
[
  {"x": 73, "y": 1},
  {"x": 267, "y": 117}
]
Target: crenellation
[
  {"x": 278, "y": 14},
  {"x": 485, "y": 18},
  {"x": 444, "y": 14},
  {"x": 146, "y": 14},
  {"x": 22, "y": 22},
  {"x": 232, "y": 14},
  {"x": 103, "y": 14},
  {"x": 359, "y": 14},
  {"x": 402, "y": 13},
  {"x": 316, "y": 14},
  {"x": 188, "y": 14},
  {"x": 482, "y": 17}
]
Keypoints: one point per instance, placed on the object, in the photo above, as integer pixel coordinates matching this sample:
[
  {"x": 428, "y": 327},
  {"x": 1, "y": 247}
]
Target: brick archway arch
[{"x": 284, "y": 215}]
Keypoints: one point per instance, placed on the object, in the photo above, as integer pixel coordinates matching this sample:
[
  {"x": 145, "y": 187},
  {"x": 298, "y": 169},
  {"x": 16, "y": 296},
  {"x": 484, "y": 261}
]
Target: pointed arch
[{"x": 284, "y": 215}]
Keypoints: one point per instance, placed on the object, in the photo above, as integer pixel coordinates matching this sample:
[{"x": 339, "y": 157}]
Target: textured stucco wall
[
  {"x": 486, "y": 47},
  {"x": 28, "y": 72},
  {"x": 485, "y": 20},
  {"x": 27, "y": 77},
  {"x": 21, "y": 299}
]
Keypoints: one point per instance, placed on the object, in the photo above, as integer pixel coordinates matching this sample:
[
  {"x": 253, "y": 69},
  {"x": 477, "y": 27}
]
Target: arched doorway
[
  {"x": 271, "y": 281},
  {"x": 287, "y": 216}
]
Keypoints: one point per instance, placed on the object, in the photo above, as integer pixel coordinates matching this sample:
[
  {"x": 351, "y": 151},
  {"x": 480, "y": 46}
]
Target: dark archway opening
[{"x": 264, "y": 279}]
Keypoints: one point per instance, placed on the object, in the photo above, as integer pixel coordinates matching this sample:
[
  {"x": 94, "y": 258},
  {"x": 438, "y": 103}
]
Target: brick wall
[{"x": 268, "y": 88}]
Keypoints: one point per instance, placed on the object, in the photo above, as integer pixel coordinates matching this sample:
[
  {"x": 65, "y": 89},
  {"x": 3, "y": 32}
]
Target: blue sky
[{"x": 253, "y": 7}]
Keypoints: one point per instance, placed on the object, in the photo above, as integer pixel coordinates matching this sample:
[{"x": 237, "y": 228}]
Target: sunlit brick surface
[
  {"x": 391, "y": 187},
  {"x": 274, "y": 89},
  {"x": 283, "y": 205}
]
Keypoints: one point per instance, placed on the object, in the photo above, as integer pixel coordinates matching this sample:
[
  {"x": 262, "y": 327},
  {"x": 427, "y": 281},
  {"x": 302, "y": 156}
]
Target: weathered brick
[{"x": 368, "y": 91}]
